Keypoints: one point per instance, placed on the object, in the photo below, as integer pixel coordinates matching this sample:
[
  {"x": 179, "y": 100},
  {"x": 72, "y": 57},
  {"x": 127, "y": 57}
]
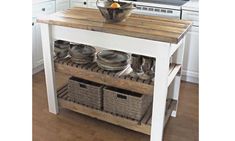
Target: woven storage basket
[
  {"x": 85, "y": 92},
  {"x": 126, "y": 103}
]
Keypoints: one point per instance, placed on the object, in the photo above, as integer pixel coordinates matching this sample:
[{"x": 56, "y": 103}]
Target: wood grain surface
[{"x": 139, "y": 26}]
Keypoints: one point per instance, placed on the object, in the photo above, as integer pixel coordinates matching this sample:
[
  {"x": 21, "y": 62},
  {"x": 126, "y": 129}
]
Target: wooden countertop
[{"x": 139, "y": 26}]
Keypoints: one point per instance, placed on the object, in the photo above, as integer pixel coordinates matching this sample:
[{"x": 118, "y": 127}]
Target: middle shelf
[{"x": 94, "y": 73}]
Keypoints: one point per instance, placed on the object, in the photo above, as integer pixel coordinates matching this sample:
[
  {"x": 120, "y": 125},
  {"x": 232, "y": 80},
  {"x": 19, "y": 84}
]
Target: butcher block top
[{"x": 139, "y": 26}]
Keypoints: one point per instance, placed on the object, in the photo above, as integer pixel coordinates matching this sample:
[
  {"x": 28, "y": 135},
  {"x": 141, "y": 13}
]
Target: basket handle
[
  {"x": 82, "y": 86},
  {"x": 121, "y": 96}
]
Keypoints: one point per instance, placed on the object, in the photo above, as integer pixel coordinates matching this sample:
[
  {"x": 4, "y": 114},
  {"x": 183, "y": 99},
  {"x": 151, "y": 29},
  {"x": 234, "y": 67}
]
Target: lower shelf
[{"x": 143, "y": 126}]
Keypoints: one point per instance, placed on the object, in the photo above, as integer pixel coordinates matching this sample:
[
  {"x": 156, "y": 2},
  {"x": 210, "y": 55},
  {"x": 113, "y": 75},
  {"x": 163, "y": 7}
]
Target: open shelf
[
  {"x": 94, "y": 73},
  {"x": 173, "y": 72},
  {"x": 143, "y": 126}
]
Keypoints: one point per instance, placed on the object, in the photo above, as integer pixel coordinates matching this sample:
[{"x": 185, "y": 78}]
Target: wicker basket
[
  {"x": 85, "y": 92},
  {"x": 126, "y": 103}
]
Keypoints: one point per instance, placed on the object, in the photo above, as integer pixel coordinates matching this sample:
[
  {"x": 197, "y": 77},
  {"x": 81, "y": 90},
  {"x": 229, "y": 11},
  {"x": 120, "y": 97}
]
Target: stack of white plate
[
  {"x": 112, "y": 60},
  {"x": 82, "y": 54}
]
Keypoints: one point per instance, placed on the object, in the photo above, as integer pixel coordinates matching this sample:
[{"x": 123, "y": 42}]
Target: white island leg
[
  {"x": 160, "y": 95},
  {"x": 178, "y": 59},
  {"x": 49, "y": 69}
]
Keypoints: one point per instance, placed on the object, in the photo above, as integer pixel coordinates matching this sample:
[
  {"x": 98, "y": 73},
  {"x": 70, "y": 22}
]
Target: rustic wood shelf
[
  {"x": 94, "y": 73},
  {"x": 143, "y": 126}
]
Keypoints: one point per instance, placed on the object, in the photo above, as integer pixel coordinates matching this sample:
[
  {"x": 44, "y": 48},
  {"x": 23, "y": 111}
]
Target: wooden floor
[{"x": 71, "y": 126}]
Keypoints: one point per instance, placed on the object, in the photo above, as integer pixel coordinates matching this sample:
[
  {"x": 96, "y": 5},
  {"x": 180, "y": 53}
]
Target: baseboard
[
  {"x": 190, "y": 76},
  {"x": 38, "y": 68}
]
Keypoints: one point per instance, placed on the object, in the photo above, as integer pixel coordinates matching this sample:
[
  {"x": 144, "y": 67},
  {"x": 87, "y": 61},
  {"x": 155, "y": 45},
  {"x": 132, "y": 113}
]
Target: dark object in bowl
[
  {"x": 112, "y": 60},
  {"x": 113, "y": 57},
  {"x": 114, "y": 14},
  {"x": 60, "y": 53},
  {"x": 81, "y": 50},
  {"x": 82, "y": 54},
  {"x": 62, "y": 44}
]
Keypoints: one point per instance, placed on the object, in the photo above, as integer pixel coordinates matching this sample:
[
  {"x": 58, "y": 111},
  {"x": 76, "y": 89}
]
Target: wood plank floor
[{"x": 71, "y": 126}]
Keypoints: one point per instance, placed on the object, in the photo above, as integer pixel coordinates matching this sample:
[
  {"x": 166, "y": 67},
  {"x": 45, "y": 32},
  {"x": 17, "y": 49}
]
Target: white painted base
[
  {"x": 190, "y": 76},
  {"x": 159, "y": 50},
  {"x": 49, "y": 69}
]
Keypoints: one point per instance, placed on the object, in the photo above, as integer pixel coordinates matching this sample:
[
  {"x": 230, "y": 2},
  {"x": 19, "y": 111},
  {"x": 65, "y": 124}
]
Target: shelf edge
[{"x": 173, "y": 73}]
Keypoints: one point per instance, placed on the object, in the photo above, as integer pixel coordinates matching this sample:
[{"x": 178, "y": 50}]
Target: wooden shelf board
[
  {"x": 93, "y": 73},
  {"x": 143, "y": 126},
  {"x": 173, "y": 73}
]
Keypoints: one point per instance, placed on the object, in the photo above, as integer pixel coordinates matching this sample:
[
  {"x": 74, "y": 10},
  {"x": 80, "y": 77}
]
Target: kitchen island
[{"x": 156, "y": 37}]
